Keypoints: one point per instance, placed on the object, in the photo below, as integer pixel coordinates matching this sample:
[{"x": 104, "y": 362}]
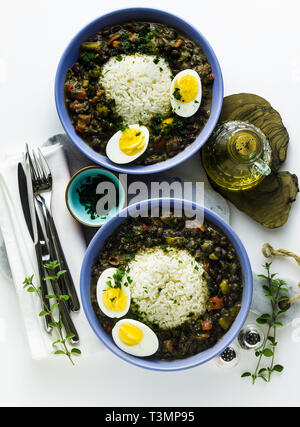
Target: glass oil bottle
[{"x": 237, "y": 156}]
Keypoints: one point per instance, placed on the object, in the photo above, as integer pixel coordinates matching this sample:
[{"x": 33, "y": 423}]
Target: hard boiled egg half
[
  {"x": 113, "y": 296},
  {"x": 128, "y": 144},
  {"x": 135, "y": 338},
  {"x": 186, "y": 93}
]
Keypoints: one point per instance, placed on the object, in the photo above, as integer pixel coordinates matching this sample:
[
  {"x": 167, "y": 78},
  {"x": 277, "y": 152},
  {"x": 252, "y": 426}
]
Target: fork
[{"x": 42, "y": 184}]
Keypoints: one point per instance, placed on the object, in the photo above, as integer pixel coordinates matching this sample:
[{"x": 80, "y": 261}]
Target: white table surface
[{"x": 257, "y": 44}]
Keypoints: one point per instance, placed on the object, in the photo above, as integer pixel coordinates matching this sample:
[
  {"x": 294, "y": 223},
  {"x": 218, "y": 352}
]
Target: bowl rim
[
  {"x": 88, "y": 224},
  {"x": 217, "y": 99},
  {"x": 181, "y": 364}
]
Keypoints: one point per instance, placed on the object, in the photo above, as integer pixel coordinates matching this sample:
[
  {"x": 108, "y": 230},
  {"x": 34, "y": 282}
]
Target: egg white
[
  {"x": 186, "y": 109},
  {"x": 113, "y": 151},
  {"x": 102, "y": 286},
  {"x": 146, "y": 347}
]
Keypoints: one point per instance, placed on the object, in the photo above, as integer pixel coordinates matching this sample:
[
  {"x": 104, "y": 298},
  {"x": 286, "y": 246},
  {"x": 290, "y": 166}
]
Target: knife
[
  {"x": 24, "y": 198},
  {"x": 36, "y": 233}
]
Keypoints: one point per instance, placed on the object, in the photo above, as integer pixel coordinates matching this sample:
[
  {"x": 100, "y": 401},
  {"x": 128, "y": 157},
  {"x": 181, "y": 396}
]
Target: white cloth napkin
[{"x": 21, "y": 254}]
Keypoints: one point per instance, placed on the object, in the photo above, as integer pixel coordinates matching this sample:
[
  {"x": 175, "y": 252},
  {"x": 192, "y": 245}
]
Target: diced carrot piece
[
  {"x": 113, "y": 38},
  {"x": 214, "y": 303},
  {"x": 81, "y": 94},
  {"x": 206, "y": 265},
  {"x": 160, "y": 144},
  {"x": 207, "y": 325},
  {"x": 200, "y": 226},
  {"x": 178, "y": 43}
]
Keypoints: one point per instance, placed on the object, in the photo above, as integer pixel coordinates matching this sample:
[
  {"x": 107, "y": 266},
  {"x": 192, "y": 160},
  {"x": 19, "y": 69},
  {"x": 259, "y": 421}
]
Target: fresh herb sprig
[
  {"x": 276, "y": 292},
  {"x": 60, "y": 345}
]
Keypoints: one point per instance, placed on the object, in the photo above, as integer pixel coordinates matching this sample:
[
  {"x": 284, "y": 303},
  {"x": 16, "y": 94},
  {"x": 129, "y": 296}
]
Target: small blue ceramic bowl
[
  {"x": 71, "y": 54},
  {"x": 92, "y": 254},
  {"x": 78, "y": 210}
]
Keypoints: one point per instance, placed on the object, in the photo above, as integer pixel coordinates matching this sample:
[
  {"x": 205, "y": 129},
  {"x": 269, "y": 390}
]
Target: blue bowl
[
  {"x": 91, "y": 256},
  {"x": 71, "y": 54},
  {"x": 77, "y": 210}
]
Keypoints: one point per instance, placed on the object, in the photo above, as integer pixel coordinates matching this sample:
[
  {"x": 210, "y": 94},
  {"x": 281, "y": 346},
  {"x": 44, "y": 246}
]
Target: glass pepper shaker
[
  {"x": 251, "y": 337},
  {"x": 229, "y": 358}
]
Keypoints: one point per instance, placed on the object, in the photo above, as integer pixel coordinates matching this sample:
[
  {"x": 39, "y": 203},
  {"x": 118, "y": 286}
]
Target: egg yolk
[
  {"x": 188, "y": 87},
  {"x": 114, "y": 299},
  {"x": 132, "y": 141},
  {"x": 130, "y": 334}
]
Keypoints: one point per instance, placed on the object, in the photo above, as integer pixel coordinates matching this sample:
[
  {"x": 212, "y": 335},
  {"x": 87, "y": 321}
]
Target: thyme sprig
[
  {"x": 60, "y": 345},
  {"x": 276, "y": 292}
]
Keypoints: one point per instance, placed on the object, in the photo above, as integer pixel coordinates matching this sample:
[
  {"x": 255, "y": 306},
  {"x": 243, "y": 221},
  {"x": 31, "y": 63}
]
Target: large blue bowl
[
  {"x": 92, "y": 254},
  {"x": 71, "y": 54}
]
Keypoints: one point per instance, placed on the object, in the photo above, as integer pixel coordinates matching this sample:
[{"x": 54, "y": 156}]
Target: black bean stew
[
  {"x": 94, "y": 115},
  {"x": 208, "y": 245}
]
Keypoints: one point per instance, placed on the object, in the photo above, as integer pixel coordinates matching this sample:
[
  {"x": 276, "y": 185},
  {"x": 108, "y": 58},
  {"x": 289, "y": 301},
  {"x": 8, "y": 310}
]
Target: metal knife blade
[
  {"x": 22, "y": 181},
  {"x": 36, "y": 233}
]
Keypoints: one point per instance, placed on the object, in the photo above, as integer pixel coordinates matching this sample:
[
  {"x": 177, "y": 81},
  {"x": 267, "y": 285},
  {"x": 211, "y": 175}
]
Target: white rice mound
[
  {"x": 140, "y": 87},
  {"x": 167, "y": 287}
]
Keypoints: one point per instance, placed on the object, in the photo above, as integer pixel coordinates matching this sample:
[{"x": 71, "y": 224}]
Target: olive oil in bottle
[{"x": 237, "y": 156}]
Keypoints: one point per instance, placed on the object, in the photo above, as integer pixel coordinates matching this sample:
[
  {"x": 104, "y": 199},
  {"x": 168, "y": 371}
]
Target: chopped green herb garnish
[
  {"x": 177, "y": 94},
  {"x": 156, "y": 123},
  {"x": 127, "y": 47},
  {"x": 166, "y": 249},
  {"x": 118, "y": 277},
  {"x": 124, "y": 127}
]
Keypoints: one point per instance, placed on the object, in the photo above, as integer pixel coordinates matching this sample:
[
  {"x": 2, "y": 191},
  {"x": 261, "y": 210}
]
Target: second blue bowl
[{"x": 93, "y": 251}]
